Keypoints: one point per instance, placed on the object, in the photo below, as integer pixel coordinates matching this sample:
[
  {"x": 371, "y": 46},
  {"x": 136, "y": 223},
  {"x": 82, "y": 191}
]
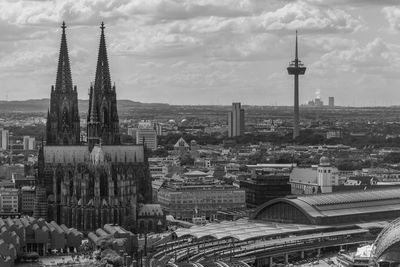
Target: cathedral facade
[{"x": 101, "y": 181}]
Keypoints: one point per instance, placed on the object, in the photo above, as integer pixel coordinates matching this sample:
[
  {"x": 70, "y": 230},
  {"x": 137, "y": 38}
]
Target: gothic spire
[
  {"x": 63, "y": 80},
  {"x": 93, "y": 106},
  {"x": 102, "y": 81}
]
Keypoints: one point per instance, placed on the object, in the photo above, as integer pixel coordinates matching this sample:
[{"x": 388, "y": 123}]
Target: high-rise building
[
  {"x": 236, "y": 120},
  {"x": 331, "y": 102},
  {"x": 132, "y": 131},
  {"x": 159, "y": 128},
  {"x": 87, "y": 186},
  {"x": 146, "y": 132},
  {"x": 5, "y": 139},
  {"x": 29, "y": 143},
  {"x": 296, "y": 68}
]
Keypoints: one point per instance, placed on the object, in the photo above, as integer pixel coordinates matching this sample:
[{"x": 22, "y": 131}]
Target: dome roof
[{"x": 324, "y": 161}]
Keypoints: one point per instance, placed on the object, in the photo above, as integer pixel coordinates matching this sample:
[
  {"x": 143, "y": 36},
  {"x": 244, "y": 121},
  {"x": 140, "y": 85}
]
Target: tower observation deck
[{"x": 296, "y": 68}]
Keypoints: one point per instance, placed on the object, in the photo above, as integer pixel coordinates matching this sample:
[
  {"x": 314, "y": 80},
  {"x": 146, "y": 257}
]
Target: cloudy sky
[{"x": 207, "y": 51}]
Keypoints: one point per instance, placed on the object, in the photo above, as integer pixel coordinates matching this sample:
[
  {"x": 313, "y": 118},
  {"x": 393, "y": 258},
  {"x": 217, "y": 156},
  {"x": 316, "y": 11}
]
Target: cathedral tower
[
  {"x": 103, "y": 122},
  {"x": 63, "y": 123}
]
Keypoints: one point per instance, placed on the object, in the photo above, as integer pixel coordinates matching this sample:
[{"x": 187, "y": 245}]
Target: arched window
[
  {"x": 105, "y": 116},
  {"x": 65, "y": 119},
  {"x": 103, "y": 185},
  {"x": 71, "y": 187}
]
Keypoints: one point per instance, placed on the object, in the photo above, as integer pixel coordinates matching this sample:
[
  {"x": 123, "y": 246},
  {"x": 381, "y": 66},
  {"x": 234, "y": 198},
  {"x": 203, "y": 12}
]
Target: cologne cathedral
[{"x": 86, "y": 185}]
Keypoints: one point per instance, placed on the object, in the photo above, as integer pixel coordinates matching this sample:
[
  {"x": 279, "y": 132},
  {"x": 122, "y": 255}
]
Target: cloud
[
  {"x": 40, "y": 60},
  {"x": 308, "y": 18},
  {"x": 375, "y": 58},
  {"x": 392, "y": 15},
  {"x": 88, "y": 12},
  {"x": 158, "y": 11},
  {"x": 353, "y": 3}
]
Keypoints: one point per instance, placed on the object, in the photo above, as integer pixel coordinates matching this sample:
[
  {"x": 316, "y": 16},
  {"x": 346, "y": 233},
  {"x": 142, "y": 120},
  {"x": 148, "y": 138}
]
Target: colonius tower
[
  {"x": 296, "y": 68},
  {"x": 89, "y": 185}
]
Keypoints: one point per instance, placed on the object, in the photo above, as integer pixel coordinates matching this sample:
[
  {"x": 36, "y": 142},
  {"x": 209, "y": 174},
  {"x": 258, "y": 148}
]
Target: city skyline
[{"x": 207, "y": 53}]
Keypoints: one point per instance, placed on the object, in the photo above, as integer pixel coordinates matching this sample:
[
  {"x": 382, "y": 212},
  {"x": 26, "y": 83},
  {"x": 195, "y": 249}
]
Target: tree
[
  {"x": 186, "y": 159},
  {"x": 160, "y": 152},
  {"x": 392, "y": 158}
]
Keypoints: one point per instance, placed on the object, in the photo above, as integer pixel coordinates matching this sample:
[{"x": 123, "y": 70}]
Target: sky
[{"x": 207, "y": 52}]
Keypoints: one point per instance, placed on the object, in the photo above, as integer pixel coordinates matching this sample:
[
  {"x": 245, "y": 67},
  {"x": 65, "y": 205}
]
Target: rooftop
[
  {"x": 242, "y": 229},
  {"x": 357, "y": 206}
]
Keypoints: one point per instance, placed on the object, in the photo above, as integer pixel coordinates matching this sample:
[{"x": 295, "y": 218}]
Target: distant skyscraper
[
  {"x": 5, "y": 139},
  {"x": 147, "y": 132},
  {"x": 132, "y": 131},
  {"x": 236, "y": 121},
  {"x": 29, "y": 143},
  {"x": 296, "y": 68},
  {"x": 331, "y": 101}
]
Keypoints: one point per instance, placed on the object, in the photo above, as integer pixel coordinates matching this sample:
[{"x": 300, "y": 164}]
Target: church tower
[
  {"x": 103, "y": 122},
  {"x": 63, "y": 123}
]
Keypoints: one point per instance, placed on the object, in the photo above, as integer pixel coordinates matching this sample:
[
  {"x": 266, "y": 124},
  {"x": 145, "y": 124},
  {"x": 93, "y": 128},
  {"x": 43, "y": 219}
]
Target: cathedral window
[
  {"x": 105, "y": 116},
  {"x": 65, "y": 119}
]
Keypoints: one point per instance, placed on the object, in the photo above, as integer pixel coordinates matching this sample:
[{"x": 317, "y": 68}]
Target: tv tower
[{"x": 296, "y": 68}]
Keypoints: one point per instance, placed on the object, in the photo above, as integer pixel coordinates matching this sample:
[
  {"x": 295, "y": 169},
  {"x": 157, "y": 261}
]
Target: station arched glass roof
[
  {"x": 348, "y": 203},
  {"x": 388, "y": 237}
]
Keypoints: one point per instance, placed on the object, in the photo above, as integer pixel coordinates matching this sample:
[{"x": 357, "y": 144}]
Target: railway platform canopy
[
  {"x": 244, "y": 229},
  {"x": 209, "y": 264}
]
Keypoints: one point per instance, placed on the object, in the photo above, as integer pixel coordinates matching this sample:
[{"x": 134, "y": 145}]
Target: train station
[{"x": 286, "y": 229}]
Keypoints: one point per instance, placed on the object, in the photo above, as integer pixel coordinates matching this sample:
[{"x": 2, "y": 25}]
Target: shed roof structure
[{"x": 335, "y": 208}]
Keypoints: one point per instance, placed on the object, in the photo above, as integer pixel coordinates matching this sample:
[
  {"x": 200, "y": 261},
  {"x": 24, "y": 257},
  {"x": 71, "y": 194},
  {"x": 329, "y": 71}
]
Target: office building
[
  {"x": 146, "y": 132},
  {"x": 19, "y": 180},
  {"x": 28, "y": 195},
  {"x": 132, "y": 131},
  {"x": 196, "y": 200},
  {"x": 29, "y": 143},
  {"x": 159, "y": 128},
  {"x": 265, "y": 186},
  {"x": 331, "y": 101},
  {"x": 334, "y": 133},
  {"x": 236, "y": 120},
  {"x": 9, "y": 200},
  {"x": 5, "y": 139}
]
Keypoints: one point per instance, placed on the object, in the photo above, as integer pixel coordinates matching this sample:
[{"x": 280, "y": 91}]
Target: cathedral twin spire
[
  {"x": 63, "y": 122},
  {"x": 63, "y": 80}
]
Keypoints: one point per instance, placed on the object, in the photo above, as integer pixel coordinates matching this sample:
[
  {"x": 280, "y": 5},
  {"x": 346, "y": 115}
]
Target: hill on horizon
[{"x": 42, "y": 105}]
